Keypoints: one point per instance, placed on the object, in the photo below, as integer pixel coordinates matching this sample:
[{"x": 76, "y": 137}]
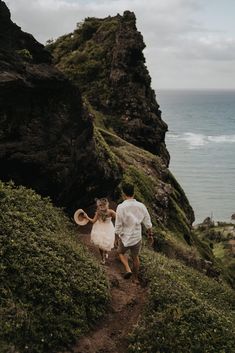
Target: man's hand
[
  {"x": 116, "y": 241},
  {"x": 150, "y": 232},
  {"x": 150, "y": 236}
]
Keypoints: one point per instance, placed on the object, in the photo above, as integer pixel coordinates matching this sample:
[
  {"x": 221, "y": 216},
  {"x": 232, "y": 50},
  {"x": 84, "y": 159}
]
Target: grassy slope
[
  {"x": 51, "y": 290},
  {"x": 187, "y": 312},
  {"x": 157, "y": 188},
  {"x": 152, "y": 180}
]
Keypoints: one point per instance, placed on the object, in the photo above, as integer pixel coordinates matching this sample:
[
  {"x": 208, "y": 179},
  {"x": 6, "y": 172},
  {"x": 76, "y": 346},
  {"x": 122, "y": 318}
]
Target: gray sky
[{"x": 190, "y": 43}]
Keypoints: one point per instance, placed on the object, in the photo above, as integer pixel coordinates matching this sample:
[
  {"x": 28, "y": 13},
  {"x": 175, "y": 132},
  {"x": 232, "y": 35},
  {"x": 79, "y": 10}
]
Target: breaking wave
[{"x": 199, "y": 140}]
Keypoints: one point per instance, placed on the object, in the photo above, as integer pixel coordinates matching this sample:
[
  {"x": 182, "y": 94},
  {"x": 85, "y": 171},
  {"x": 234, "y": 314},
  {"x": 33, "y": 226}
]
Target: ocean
[{"x": 201, "y": 142}]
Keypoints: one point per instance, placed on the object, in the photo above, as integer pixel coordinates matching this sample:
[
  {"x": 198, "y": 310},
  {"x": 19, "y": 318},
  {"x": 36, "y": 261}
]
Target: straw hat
[{"x": 79, "y": 217}]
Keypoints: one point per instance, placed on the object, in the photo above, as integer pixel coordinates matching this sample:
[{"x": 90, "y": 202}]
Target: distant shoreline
[{"x": 194, "y": 89}]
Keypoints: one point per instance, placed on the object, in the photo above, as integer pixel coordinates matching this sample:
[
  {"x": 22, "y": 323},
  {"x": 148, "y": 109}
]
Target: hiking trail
[{"x": 127, "y": 302}]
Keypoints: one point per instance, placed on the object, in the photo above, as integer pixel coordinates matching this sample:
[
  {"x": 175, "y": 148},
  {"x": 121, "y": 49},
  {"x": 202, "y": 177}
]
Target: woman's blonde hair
[{"x": 102, "y": 208}]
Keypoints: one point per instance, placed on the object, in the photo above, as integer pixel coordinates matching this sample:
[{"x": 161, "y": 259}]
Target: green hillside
[
  {"x": 187, "y": 312},
  {"x": 52, "y": 290}
]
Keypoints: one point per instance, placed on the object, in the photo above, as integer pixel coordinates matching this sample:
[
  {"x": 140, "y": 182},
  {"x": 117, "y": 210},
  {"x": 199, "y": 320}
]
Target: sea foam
[{"x": 196, "y": 140}]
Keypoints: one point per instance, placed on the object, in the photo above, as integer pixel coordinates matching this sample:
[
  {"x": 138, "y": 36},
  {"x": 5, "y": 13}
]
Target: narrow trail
[{"x": 127, "y": 302}]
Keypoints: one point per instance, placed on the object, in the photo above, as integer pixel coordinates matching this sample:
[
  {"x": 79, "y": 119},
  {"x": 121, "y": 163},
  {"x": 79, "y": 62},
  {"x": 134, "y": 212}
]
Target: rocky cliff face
[
  {"x": 131, "y": 95},
  {"x": 47, "y": 140},
  {"x": 105, "y": 57},
  {"x": 52, "y": 141}
]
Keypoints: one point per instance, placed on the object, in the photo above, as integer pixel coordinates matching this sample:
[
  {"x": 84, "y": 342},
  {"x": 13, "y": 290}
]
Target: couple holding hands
[{"x": 127, "y": 233}]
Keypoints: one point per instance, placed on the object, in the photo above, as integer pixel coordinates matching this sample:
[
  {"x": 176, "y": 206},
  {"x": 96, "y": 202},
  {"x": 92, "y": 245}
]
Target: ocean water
[{"x": 201, "y": 142}]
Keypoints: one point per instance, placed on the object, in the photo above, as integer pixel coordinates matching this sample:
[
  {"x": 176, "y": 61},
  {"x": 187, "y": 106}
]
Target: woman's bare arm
[{"x": 92, "y": 220}]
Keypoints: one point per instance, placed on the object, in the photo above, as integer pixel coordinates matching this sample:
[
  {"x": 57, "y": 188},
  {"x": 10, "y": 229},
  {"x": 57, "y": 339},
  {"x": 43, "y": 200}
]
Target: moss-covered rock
[
  {"x": 105, "y": 58},
  {"x": 52, "y": 290}
]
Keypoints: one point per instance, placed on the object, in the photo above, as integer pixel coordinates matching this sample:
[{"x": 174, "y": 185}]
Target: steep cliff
[
  {"x": 47, "y": 140},
  {"x": 105, "y": 57}
]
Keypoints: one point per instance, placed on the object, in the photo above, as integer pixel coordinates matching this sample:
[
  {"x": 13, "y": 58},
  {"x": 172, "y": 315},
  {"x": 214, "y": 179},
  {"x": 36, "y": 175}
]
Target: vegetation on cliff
[
  {"x": 221, "y": 239},
  {"x": 105, "y": 58},
  {"x": 52, "y": 290}
]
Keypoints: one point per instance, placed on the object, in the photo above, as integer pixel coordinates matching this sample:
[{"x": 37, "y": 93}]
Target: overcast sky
[{"x": 190, "y": 43}]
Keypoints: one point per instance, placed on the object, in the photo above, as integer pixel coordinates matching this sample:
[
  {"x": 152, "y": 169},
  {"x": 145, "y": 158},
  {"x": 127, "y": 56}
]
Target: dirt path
[{"x": 127, "y": 302}]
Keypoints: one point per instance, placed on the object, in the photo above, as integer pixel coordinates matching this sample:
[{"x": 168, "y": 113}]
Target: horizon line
[{"x": 193, "y": 89}]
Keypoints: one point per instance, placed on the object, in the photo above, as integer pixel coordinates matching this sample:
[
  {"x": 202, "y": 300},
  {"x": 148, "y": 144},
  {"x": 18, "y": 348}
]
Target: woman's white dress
[{"x": 103, "y": 234}]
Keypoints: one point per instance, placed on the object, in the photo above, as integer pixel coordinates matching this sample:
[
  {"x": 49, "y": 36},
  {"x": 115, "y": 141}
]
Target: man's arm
[
  {"x": 147, "y": 221},
  {"x": 118, "y": 226},
  {"x": 118, "y": 222}
]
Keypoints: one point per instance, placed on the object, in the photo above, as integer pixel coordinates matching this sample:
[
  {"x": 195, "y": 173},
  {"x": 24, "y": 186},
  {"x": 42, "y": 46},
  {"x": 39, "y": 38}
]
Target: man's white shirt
[{"x": 129, "y": 216}]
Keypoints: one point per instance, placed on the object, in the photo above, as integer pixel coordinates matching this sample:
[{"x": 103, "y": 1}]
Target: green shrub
[
  {"x": 187, "y": 312},
  {"x": 85, "y": 56},
  {"x": 89, "y": 27},
  {"x": 51, "y": 290},
  {"x": 25, "y": 54}
]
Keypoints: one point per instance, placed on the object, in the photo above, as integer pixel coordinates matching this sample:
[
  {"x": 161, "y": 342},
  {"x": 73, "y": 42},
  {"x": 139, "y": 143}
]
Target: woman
[{"x": 102, "y": 233}]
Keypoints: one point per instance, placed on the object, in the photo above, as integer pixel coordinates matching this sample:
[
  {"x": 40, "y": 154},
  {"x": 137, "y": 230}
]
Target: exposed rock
[
  {"x": 46, "y": 135},
  {"x": 131, "y": 95}
]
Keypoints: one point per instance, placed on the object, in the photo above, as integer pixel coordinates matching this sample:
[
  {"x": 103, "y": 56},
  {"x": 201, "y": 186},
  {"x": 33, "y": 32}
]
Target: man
[{"x": 130, "y": 214}]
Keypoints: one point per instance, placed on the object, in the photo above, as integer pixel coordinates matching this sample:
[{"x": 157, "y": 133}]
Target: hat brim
[{"x": 79, "y": 220}]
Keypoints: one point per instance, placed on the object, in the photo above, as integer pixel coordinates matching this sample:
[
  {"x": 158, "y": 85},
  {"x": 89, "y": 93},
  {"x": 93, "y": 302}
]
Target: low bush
[
  {"x": 25, "y": 54},
  {"x": 51, "y": 290}
]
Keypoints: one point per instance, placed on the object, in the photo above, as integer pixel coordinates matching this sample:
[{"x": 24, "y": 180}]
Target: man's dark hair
[{"x": 128, "y": 189}]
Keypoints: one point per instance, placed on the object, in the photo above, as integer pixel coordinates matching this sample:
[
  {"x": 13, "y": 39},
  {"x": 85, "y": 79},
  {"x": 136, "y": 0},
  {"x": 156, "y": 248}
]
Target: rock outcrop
[
  {"x": 105, "y": 57},
  {"x": 47, "y": 140}
]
